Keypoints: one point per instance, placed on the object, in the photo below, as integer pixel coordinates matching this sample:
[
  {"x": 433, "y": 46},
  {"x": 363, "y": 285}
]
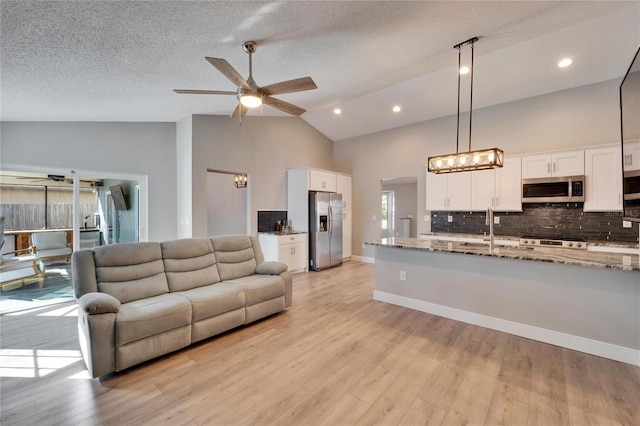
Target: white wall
[
  {"x": 262, "y": 147},
  {"x": 127, "y": 148},
  {"x": 572, "y": 118}
]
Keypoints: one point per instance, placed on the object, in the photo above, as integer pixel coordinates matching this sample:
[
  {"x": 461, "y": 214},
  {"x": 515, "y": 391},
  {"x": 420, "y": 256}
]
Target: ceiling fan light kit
[
  {"x": 483, "y": 159},
  {"x": 248, "y": 93}
]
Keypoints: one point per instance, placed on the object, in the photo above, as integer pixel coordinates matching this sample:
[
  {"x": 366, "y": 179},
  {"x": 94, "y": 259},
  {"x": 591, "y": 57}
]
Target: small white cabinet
[
  {"x": 499, "y": 189},
  {"x": 603, "y": 179},
  {"x": 287, "y": 248},
  {"x": 343, "y": 186},
  {"x": 451, "y": 191},
  {"x": 320, "y": 180},
  {"x": 562, "y": 163}
]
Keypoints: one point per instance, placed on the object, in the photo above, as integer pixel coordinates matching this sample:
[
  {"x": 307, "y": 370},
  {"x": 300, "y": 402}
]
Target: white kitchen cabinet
[
  {"x": 603, "y": 179},
  {"x": 320, "y": 180},
  {"x": 451, "y": 191},
  {"x": 346, "y": 234},
  {"x": 562, "y": 163},
  {"x": 343, "y": 186},
  {"x": 632, "y": 155},
  {"x": 287, "y": 248},
  {"x": 500, "y": 189}
]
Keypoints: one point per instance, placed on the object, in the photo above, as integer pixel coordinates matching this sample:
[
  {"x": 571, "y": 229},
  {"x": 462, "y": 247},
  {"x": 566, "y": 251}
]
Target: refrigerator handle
[{"x": 330, "y": 221}]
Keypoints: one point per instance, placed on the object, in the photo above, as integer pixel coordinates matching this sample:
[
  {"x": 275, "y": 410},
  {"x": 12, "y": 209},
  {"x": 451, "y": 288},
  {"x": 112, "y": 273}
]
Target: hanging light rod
[
  {"x": 464, "y": 43},
  {"x": 470, "y": 160}
]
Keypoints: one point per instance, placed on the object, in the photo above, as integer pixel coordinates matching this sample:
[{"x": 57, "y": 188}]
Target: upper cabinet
[
  {"x": 320, "y": 180},
  {"x": 500, "y": 189},
  {"x": 451, "y": 191},
  {"x": 632, "y": 155},
  {"x": 563, "y": 163},
  {"x": 603, "y": 186}
]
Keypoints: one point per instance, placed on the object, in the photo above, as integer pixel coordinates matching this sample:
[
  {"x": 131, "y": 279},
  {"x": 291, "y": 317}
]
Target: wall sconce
[
  {"x": 241, "y": 181},
  {"x": 471, "y": 160}
]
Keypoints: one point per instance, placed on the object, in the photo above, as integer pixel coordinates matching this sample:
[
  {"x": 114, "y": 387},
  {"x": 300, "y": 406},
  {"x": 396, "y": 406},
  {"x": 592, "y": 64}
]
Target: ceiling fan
[{"x": 249, "y": 94}]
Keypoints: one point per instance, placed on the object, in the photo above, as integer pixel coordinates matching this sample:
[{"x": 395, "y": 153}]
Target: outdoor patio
[{"x": 57, "y": 288}]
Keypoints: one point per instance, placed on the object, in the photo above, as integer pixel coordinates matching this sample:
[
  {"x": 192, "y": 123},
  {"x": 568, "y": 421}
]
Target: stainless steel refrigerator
[{"x": 325, "y": 230}]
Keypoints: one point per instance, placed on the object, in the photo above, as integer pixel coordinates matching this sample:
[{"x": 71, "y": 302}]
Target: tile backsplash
[
  {"x": 267, "y": 219},
  {"x": 546, "y": 220}
]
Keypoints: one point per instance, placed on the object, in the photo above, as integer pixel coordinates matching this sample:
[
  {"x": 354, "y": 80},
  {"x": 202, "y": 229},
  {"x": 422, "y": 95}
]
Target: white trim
[
  {"x": 363, "y": 259},
  {"x": 590, "y": 346}
]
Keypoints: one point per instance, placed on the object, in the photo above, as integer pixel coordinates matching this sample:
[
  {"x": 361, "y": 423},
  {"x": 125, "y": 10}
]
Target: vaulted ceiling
[{"x": 119, "y": 61}]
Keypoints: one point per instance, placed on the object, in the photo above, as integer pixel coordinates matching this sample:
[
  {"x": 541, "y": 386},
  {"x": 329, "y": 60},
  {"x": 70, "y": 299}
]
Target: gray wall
[
  {"x": 128, "y": 148},
  {"x": 572, "y": 118},
  {"x": 262, "y": 147},
  {"x": 226, "y": 205},
  {"x": 406, "y": 204}
]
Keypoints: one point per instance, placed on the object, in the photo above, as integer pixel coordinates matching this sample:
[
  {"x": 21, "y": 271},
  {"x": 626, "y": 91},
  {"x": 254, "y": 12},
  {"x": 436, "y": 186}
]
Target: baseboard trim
[
  {"x": 364, "y": 259},
  {"x": 569, "y": 341}
]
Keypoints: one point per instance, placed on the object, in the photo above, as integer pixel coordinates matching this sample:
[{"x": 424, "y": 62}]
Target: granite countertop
[{"x": 624, "y": 261}]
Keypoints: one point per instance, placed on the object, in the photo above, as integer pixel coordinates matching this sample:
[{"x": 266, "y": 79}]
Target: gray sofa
[{"x": 137, "y": 301}]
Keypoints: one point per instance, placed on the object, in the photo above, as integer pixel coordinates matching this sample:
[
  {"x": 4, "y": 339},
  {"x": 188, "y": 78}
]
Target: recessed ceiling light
[
  {"x": 565, "y": 62},
  {"x": 337, "y": 111},
  {"x": 397, "y": 108},
  {"x": 464, "y": 70}
]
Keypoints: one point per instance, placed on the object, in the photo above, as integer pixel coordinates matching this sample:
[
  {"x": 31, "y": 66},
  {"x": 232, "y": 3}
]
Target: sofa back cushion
[
  {"x": 235, "y": 255},
  {"x": 130, "y": 271},
  {"x": 189, "y": 263}
]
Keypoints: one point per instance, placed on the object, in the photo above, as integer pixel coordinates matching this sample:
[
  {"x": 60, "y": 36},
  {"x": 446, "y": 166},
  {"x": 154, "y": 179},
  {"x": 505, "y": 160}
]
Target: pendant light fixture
[{"x": 470, "y": 160}]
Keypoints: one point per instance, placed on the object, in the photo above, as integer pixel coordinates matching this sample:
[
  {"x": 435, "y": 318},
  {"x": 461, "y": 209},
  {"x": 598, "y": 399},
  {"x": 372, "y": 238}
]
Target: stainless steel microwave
[{"x": 567, "y": 189}]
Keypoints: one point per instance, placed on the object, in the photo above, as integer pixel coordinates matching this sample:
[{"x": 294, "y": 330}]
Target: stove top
[{"x": 574, "y": 243}]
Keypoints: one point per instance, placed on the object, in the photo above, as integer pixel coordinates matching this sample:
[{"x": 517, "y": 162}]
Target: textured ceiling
[{"x": 119, "y": 61}]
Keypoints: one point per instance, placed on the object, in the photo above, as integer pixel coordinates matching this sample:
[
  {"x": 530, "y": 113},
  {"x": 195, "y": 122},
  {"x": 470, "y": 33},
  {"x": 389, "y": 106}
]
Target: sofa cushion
[
  {"x": 212, "y": 300},
  {"x": 130, "y": 271},
  {"x": 258, "y": 288},
  {"x": 151, "y": 316},
  {"x": 189, "y": 263},
  {"x": 235, "y": 256}
]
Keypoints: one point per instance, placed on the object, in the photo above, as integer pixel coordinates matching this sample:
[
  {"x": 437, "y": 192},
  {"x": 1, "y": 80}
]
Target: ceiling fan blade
[
  {"x": 290, "y": 86},
  {"x": 283, "y": 106},
  {"x": 228, "y": 71},
  {"x": 204, "y": 92},
  {"x": 240, "y": 111}
]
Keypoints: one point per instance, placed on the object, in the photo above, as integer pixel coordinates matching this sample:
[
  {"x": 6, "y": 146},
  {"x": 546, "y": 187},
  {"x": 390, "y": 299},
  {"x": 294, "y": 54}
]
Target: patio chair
[
  {"x": 18, "y": 269},
  {"x": 50, "y": 247}
]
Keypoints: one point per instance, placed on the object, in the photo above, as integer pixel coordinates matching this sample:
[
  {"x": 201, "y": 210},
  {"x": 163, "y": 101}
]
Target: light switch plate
[
  {"x": 496, "y": 220},
  {"x": 626, "y": 224},
  {"x": 426, "y": 218},
  {"x": 449, "y": 218}
]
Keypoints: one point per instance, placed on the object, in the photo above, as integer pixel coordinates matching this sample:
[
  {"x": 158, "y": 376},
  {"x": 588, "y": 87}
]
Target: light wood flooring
[{"x": 336, "y": 358}]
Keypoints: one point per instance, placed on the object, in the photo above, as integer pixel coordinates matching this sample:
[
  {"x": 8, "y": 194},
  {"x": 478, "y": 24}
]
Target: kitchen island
[{"x": 579, "y": 299}]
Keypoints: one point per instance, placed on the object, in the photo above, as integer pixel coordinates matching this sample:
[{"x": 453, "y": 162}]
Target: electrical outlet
[
  {"x": 403, "y": 275},
  {"x": 496, "y": 220},
  {"x": 449, "y": 218},
  {"x": 626, "y": 224},
  {"x": 426, "y": 218}
]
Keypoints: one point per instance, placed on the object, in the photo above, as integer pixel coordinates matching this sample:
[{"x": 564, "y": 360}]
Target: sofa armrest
[
  {"x": 99, "y": 303},
  {"x": 271, "y": 268}
]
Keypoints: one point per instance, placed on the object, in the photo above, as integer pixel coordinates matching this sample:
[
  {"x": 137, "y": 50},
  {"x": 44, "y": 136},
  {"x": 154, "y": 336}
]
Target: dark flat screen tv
[{"x": 120, "y": 200}]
